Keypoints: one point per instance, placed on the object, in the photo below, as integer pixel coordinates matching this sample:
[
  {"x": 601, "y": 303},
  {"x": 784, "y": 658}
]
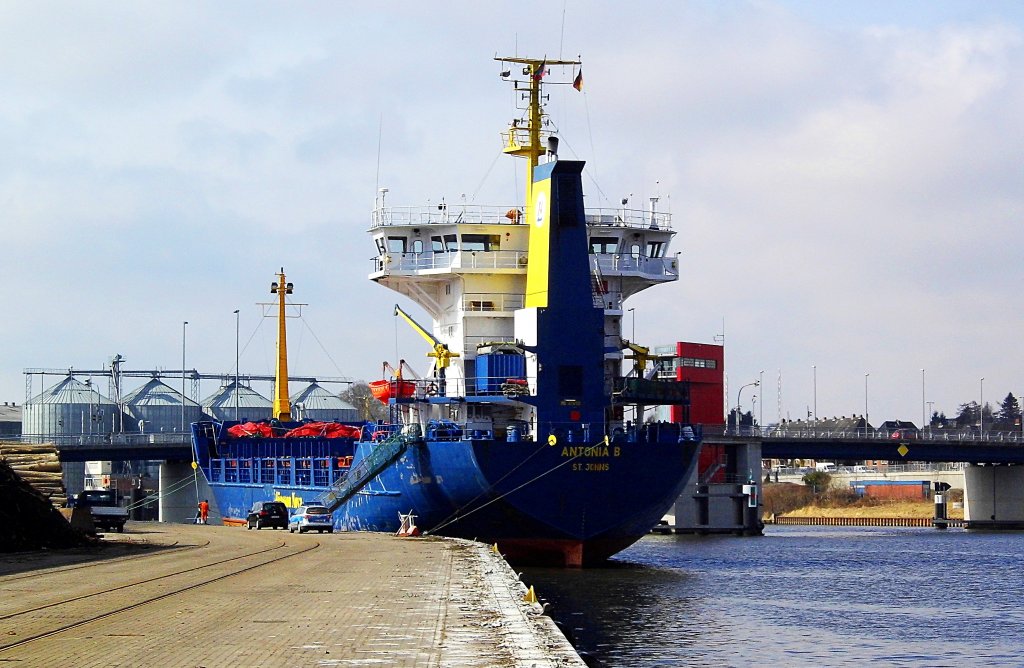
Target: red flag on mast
[
  {"x": 539, "y": 73},
  {"x": 578, "y": 81}
]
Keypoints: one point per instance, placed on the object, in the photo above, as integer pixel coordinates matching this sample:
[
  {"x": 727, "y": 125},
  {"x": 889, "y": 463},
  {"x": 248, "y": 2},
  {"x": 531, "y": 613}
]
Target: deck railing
[
  {"x": 860, "y": 434},
  {"x": 429, "y": 260},
  {"x": 459, "y": 214}
]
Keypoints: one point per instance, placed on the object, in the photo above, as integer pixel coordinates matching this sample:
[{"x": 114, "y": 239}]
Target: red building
[{"x": 700, "y": 364}]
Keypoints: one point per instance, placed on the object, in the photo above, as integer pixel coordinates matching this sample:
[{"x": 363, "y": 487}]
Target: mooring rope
[{"x": 458, "y": 517}]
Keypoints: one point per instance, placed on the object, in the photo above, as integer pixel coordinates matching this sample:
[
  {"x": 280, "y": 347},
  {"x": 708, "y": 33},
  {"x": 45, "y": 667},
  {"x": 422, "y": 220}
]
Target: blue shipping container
[{"x": 494, "y": 369}]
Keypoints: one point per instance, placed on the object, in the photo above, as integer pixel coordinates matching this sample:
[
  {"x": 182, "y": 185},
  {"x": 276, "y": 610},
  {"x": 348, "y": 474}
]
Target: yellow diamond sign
[{"x": 903, "y": 449}]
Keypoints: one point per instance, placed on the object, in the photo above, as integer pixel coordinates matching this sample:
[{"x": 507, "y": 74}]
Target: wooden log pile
[
  {"x": 28, "y": 518},
  {"x": 38, "y": 465}
]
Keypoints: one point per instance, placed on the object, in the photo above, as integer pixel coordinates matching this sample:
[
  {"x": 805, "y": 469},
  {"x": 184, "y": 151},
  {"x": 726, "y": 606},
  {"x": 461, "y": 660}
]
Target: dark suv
[{"x": 267, "y": 514}]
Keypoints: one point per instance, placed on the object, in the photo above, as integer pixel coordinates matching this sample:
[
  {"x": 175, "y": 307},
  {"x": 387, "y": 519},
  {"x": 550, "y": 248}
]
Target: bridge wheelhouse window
[
  {"x": 655, "y": 248},
  {"x": 604, "y": 245},
  {"x": 481, "y": 242},
  {"x": 396, "y": 244},
  {"x": 417, "y": 246}
]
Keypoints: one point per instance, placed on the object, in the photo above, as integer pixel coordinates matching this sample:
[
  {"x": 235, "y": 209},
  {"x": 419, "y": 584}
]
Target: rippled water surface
[{"x": 799, "y": 596}]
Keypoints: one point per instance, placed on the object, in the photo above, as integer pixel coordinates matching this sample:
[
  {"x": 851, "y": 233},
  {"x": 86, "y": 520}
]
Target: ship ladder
[
  {"x": 382, "y": 456},
  {"x": 600, "y": 288}
]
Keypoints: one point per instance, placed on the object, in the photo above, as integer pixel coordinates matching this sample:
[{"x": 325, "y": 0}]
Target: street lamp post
[
  {"x": 739, "y": 393},
  {"x": 866, "y": 403},
  {"x": 236, "y": 365},
  {"x": 760, "y": 414},
  {"x": 183, "y": 324},
  {"x": 923, "y": 418},
  {"x": 814, "y": 369},
  {"x": 981, "y": 409}
]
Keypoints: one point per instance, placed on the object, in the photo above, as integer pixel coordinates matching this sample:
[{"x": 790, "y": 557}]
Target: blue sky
[{"x": 846, "y": 179}]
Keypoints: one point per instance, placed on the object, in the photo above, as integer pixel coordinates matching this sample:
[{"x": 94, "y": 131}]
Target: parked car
[
  {"x": 267, "y": 514},
  {"x": 311, "y": 518}
]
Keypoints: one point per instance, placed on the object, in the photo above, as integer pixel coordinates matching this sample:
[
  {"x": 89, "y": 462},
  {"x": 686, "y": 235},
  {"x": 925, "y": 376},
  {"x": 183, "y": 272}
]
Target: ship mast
[
  {"x": 525, "y": 142},
  {"x": 282, "y": 405}
]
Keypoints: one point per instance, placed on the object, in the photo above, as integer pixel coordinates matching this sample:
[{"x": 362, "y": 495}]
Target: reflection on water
[{"x": 799, "y": 596}]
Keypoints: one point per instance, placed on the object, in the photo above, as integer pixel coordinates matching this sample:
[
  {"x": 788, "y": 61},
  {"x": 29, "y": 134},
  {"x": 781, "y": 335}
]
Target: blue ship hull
[{"x": 567, "y": 504}]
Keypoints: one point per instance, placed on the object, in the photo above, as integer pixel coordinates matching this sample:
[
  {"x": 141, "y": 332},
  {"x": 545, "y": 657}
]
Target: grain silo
[
  {"x": 156, "y": 407},
  {"x": 69, "y": 408},
  {"x": 316, "y": 403},
  {"x": 251, "y": 404}
]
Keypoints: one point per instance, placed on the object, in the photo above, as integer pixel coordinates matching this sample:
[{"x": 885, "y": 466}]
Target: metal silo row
[
  {"x": 156, "y": 407},
  {"x": 316, "y": 403},
  {"x": 72, "y": 407},
  {"x": 251, "y": 404},
  {"x": 69, "y": 408}
]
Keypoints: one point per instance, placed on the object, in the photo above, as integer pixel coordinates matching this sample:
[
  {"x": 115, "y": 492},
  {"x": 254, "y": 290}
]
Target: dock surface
[{"x": 183, "y": 595}]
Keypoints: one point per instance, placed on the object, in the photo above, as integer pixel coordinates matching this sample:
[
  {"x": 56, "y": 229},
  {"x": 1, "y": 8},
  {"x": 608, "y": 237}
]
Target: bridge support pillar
[
  {"x": 179, "y": 498},
  {"x": 994, "y": 496},
  {"x": 724, "y": 497}
]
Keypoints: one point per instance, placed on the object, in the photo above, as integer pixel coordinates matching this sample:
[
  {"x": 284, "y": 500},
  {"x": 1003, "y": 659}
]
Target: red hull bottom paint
[{"x": 560, "y": 553}]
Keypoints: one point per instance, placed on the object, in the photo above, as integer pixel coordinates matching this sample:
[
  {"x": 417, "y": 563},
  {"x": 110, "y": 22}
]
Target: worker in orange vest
[{"x": 204, "y": 511}]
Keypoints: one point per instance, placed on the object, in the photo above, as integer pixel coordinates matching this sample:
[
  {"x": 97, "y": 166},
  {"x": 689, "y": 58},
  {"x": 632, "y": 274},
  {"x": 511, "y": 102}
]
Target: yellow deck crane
[
  {"x": 641, "y": 355},
  {"x": 441, "y": 354}
]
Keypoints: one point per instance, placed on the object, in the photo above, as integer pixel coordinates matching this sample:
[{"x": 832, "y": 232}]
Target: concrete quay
[{"x": 184, "y": 595}]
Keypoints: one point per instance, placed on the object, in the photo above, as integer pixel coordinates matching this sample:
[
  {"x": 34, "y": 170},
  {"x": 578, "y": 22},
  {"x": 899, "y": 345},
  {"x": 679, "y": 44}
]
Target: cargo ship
[{"x": 530, "y": 429}]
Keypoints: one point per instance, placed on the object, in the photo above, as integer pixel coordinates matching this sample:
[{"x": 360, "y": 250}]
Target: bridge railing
[
  {"x": 824, "y": 432},
  {"x": 113, "y": 440},
  {"x": 875, "y": 471}
]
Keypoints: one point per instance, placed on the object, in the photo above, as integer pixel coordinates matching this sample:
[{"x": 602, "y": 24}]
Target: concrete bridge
[
  {"x": 897, "y": 445},
  {"x": 993, "y": 480}
]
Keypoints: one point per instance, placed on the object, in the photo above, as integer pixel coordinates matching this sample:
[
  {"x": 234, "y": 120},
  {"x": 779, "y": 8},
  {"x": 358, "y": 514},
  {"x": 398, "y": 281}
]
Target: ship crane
[
  {"x": 441, "y": 354},
  {"x": 641, "y": 355}
]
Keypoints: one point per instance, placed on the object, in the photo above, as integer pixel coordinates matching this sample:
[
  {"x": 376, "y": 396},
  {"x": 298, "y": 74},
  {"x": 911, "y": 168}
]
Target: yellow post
[
  {"x": 531, "y": 596},
  {"x": 282, "y": 404}
]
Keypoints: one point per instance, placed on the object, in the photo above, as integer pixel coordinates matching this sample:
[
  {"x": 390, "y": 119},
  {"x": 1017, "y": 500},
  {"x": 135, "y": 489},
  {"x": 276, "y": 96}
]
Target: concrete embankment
[{"x": 181, "y": 595}]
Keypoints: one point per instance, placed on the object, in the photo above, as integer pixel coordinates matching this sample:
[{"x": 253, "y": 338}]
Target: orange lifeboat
[{"x": 383, "y": 390}]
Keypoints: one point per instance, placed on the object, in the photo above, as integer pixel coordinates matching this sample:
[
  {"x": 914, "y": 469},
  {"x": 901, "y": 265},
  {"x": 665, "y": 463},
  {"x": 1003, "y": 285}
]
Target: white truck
[
  {"x": 106, "y": 512},
  {"x": 825, "y": 467}
]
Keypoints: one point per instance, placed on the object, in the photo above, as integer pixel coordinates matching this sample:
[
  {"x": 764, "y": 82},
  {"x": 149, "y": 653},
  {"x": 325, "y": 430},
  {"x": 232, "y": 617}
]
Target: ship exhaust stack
[{"x": 553, "y": 148}]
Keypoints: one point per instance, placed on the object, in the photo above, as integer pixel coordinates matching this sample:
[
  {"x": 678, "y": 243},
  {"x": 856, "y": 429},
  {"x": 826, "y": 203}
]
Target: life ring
[{"x": 432, "y": 390}]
